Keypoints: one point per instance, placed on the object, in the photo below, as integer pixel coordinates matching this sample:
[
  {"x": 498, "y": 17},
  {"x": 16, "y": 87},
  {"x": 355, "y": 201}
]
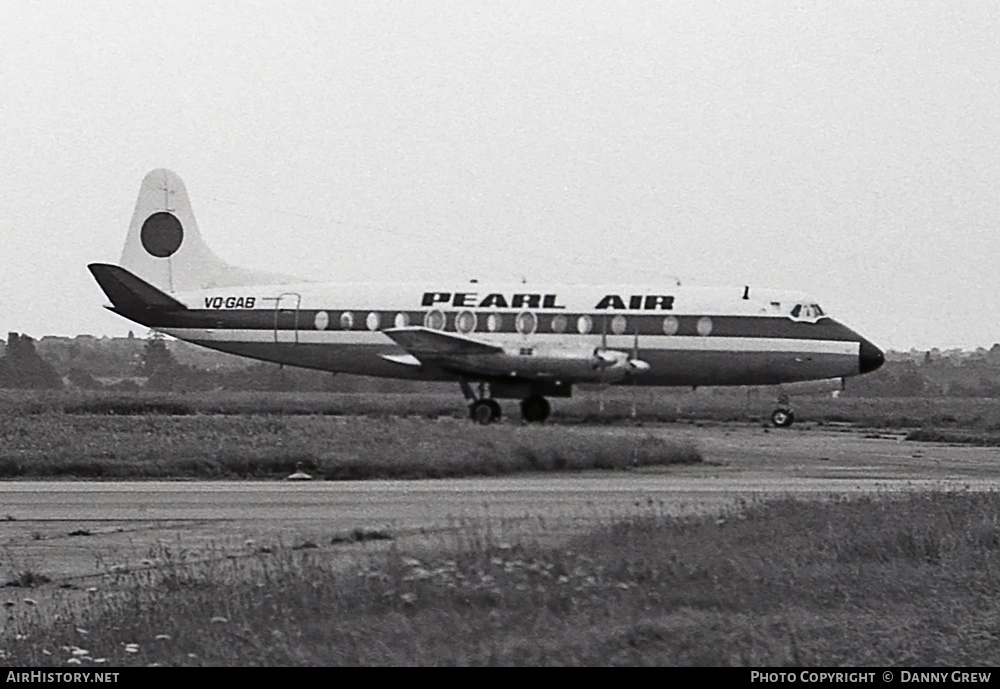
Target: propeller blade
[
  {"x": 635, "y": 364},
  {"x": 634, "y": 368}
]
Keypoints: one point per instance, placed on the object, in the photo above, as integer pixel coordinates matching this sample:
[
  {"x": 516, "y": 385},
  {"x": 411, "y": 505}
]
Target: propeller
[
  {"x": 619, "y": 364},
  {"x": 636, "y": 366},
  {"x": 629, "y": 364},
  {"x": 604, "y": 357},
  {"x": 604, "y": 347}
]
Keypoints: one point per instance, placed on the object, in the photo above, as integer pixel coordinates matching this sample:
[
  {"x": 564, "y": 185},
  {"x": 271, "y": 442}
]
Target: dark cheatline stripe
[
  {"x": 646, "y": 325},
  {"x": 682, "y": 367}
]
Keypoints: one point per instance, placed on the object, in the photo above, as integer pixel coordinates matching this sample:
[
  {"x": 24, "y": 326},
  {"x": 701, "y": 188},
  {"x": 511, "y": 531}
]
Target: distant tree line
[
  {"x": 156, "y": 363},
  {"x": 934, "y": 374},
  {"x": 22, "y": 368}
]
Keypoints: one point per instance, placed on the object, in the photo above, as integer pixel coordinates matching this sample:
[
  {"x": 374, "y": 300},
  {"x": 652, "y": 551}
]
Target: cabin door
[{"x": 286, "y": 318}]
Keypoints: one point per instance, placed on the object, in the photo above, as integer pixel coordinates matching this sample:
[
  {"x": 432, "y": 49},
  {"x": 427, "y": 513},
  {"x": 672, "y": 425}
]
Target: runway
[
  {"x": 413, "y": 504},
  {"x": 79, "y": 529}
]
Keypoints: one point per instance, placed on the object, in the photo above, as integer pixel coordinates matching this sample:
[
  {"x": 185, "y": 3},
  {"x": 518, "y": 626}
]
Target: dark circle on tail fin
[{"x": 162, "y": 234}]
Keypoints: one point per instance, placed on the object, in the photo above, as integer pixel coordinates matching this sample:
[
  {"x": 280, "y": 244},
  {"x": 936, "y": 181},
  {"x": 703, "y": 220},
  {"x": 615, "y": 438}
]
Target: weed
[
  {"x": 28, "y": 579},
  {"x": 360, "y": 535},
  {"x": 864, "y": 581}
]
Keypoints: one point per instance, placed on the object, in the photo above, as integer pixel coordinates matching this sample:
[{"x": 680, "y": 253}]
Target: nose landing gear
[{"x": 783, "y": 416}]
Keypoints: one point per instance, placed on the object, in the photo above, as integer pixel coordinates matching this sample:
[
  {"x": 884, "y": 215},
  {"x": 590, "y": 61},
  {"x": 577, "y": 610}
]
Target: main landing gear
[
  {"x": 783, "y": 416},
  {"x": 483, "y": 409},
  {"x": 535, "y": 409}
]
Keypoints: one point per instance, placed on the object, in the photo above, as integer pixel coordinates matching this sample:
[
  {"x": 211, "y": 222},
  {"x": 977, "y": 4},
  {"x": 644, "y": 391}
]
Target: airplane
[{"x": 498, "y": 341}]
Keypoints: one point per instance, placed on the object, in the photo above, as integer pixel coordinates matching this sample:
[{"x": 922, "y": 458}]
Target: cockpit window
[{"x": 806, "y": 312}]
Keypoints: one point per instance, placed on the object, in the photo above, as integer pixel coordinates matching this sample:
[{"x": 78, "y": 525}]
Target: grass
[
  {"x": 268, "y": 446},
  {"x": 360, "y": 436},
  {"x": 27, "y": 578},
  {"x": 653, "y": 405},
  {"x": 955, "y": 436},
  {"x": 87, "y": 403},
  {"x": 908, "y": 580}
]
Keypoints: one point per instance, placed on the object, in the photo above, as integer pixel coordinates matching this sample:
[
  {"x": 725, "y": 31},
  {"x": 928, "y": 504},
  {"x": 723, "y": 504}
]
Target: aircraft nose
[{"x": 870, "y": 357}]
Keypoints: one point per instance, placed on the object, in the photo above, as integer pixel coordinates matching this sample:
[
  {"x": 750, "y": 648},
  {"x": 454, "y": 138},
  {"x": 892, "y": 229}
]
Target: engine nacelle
[{"x": 581, "y": 365}]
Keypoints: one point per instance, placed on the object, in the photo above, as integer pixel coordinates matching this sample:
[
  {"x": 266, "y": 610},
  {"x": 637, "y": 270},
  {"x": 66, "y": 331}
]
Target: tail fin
[{"x": 165, "y": 248}]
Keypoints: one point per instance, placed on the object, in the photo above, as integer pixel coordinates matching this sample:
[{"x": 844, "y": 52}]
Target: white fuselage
[{"x": 687, "y": 335}]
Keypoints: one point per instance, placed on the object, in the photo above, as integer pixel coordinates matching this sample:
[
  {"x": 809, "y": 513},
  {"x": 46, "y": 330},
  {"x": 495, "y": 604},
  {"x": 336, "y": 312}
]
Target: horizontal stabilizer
[
  {"x": 427, "y": 344},
  {"x": 129, "y": 293}
]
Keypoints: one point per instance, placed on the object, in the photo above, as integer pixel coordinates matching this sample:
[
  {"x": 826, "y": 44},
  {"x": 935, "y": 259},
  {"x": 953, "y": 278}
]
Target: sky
[{"x": 848, "y": 150}]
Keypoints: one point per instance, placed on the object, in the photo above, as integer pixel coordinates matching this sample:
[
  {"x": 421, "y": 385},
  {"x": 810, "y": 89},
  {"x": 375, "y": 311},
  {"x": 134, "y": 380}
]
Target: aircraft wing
[
  {"x": 472, "y": 357},
  {"x": 433, "y": 345}
]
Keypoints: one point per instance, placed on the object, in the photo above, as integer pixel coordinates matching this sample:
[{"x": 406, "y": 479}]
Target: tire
[
  {"x": 782, "y": 418},
  {"x": 535, "y": 409},
  {"x": 495, "y": 410},
  {"x": 484, "y": 412}
]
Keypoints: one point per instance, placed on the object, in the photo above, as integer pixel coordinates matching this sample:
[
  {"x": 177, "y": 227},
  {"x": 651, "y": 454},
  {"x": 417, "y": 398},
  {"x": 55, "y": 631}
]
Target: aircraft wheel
[
  {"x": 495, "y": 410},
  {"x": 782, "y": 418},
  {"x": 535, "y": 409},
  {"x": 484, "y": 411}
]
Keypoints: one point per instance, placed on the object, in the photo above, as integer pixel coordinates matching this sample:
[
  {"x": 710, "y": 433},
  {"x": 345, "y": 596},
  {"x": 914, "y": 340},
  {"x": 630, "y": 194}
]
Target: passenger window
[
  {"x": 619, "y": 324},
  {"x": 434, "y": 320},
  {"x": 526, "y": 322},
  {"x": 465, "y": 322},
  {"x": 322, "y": 320},
  {"x": 347, "y": 320}
]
